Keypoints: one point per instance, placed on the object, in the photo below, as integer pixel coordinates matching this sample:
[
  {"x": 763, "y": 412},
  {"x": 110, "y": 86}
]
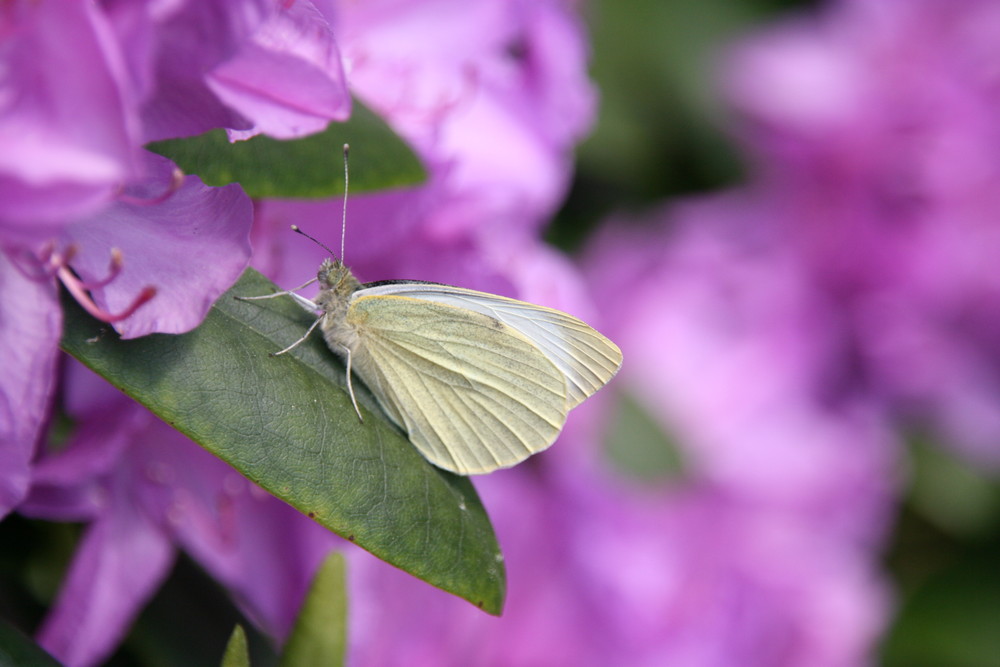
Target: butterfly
[{"x": 478, "y": 381}]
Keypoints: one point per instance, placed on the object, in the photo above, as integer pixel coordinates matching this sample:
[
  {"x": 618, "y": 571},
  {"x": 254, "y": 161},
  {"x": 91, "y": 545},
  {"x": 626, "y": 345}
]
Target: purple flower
[
  {"x": 787, "y": 481},
  {"x": 68, "y": 137},
  {"x": 83, "y": 86},
  {"x": 249, "y": 66},
  {"x": 601, "y": 575},
  {"x": 873, "y": 129},
  {"x": 492, "y": 94},
  {"x": 145, "y": 244},
  {"x": 29, "y": 340},
  {"x": 145, "y": 490},
  {"x": 742, "y": 360},
  {"x": 288, "y": 78}
]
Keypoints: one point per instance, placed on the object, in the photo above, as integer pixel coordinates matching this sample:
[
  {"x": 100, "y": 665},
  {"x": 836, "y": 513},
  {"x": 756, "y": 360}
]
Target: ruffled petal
[{"x": 191, "y": 247}]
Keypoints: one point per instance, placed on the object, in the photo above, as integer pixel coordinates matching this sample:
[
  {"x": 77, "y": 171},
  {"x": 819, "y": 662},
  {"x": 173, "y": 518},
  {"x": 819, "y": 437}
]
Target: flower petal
[
  {"x": 190, "y": 247},
  {"x": 63, "y": 124},
  {"x": 120, "y": 563},
  {"x": 30, "y": 326},
  {"x": 289, "y": 79}
]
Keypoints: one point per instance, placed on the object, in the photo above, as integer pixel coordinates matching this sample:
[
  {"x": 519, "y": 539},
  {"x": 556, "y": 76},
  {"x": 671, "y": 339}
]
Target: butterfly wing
[
  {"x": 474, "y": 393},
  {"x": 587, "y": 359}
]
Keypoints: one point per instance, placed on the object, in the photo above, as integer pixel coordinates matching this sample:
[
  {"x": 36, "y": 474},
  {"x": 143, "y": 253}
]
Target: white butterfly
[{"x": 478, "y": 381}]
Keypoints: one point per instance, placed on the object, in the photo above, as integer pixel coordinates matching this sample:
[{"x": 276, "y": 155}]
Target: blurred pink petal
[
  {"x": 484, "y": 95},
  {"x": 68, "y": 138},
  {"x": 881, "y": 174},
  {"x": 147, "y": 490},
  {"x": 120, "y": 563},
  {"x": 288, "y": 79},
  {"x": 30, "y": 327}
]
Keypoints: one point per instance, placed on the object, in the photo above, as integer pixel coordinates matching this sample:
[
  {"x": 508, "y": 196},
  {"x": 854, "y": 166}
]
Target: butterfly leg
[
  {"x": 350, "y": 387},
  {"x": 305, "y": 303},
  {"x": 288, "y": 292},
  {"x": 301, "y": 340}
]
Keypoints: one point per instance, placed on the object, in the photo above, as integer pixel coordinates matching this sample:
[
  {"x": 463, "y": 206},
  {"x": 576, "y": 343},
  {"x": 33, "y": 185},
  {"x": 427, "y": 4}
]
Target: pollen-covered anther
[
  {"x": 78, "y": 288},
  {"x": 176, "y": 181}
]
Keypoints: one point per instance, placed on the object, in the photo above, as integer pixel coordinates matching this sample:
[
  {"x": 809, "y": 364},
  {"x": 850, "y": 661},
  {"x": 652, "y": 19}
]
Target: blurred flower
[
  {"x": 777, "y": 332},
  {"x": 599, "y": 575},
  {"x": 873, "y": 134},
  {"x": 144, "y": 490},
  {"x": 738, "y": 359},
  {"x": 492, "y": 95},
  {"x": 743, "y": 361}
]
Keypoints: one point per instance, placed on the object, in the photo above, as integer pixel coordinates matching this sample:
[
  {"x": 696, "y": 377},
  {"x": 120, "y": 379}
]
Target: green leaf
[
  {"x": 16, "y": 649},
  {"x": 638, "y": 446},
  {"x": 310, "y": 167},
  {"x": 320, "y": 633},
  {"x": 237, "y": 651},
  {"x": 287, "y": 424}
]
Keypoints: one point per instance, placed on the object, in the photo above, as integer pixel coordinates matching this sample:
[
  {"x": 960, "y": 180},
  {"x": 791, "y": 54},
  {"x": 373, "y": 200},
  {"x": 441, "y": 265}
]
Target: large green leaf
[
  {"x": 287, "y": 424},
  {"x": 310, "y": 167}
]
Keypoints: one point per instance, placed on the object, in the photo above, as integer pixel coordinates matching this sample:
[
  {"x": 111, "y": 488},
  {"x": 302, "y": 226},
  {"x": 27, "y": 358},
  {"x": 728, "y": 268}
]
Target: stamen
[
  {"x": 49, "y": 263},
  {"x": 57, "y": 261},
  {"x": 176, "y": 181},
  {"x": 78, "y": 289},
  {"x": 114, "y": 268}
]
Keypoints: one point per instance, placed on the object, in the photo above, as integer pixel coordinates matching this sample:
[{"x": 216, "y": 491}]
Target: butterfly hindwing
[{"x": 474, "y": 393}]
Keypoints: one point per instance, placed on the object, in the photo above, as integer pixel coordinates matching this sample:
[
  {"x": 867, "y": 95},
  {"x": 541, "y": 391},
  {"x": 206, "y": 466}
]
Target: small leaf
[
  {"x": 638, "y": 446},
  {"x": 310, "y": 167},
  {"x": 237, "y": 651},
  {"x": 16, "y": 649},
  {"x": 287, "y": 424},
  {"x": 320, "y": 633}
]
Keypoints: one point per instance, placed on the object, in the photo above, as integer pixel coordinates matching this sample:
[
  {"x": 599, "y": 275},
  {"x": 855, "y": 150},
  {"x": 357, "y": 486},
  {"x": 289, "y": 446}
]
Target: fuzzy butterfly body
[{"x": 478, "y": 381}]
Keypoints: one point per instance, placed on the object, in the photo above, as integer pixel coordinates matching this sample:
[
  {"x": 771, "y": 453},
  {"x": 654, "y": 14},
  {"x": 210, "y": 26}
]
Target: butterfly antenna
[
  {"x": 343, "y": 226},
  {"x": 343, "y": 223},
  {"x": 295, "y": 228}
]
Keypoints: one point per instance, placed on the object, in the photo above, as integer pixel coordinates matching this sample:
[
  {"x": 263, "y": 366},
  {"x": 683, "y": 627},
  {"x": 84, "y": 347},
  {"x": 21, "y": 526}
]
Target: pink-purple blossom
[
  {"x": 144, "y": 491},
  {"x": 83, "y": 87},
  {"x": 874, "y": 142}
]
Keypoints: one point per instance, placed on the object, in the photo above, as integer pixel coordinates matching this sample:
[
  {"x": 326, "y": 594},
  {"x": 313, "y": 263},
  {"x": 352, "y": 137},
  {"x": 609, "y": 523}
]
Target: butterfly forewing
[
  {"x": 474, "y": 393},
  {"x": 587, "y": 359}
]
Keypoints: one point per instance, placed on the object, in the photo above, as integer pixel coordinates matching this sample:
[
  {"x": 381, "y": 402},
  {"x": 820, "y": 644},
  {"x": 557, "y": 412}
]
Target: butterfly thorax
[{"x": 337, "y": 284}]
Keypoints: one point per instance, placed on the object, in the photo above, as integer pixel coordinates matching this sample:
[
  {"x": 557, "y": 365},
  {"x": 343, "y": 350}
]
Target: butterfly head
[{"x": 336, "y": 282}]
